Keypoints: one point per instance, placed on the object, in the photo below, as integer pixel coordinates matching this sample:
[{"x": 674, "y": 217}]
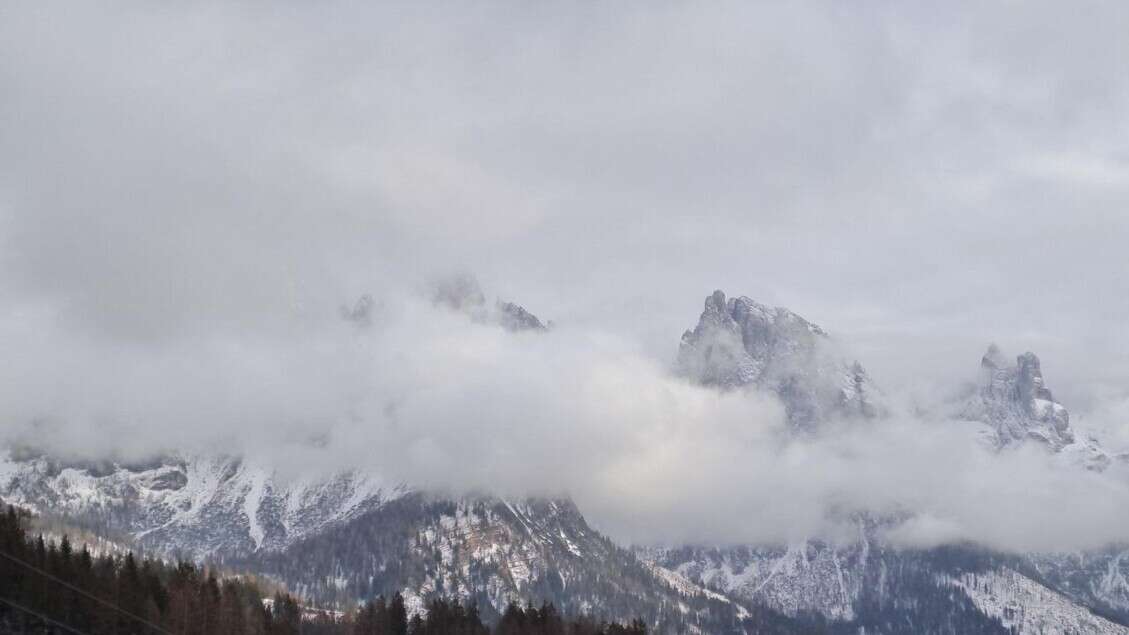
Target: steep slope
[
  {"x": 804, "y": 577},
  {"x": 1098, "y": 579},
  {"x": 494, "y": 551},
  {"x": 867, "y": 586},
  {"x": 851, "y": 588},
  {"x": 1028, "y": 606}
]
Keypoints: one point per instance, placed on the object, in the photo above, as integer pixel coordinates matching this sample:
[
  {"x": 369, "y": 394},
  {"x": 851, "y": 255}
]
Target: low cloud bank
[{"x": 423, "y": 394}]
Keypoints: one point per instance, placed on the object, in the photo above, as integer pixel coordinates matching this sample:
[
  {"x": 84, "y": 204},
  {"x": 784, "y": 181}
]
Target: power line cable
[
  {"x": 41, "y": 616},
  {"x": 80, "y": 591}
]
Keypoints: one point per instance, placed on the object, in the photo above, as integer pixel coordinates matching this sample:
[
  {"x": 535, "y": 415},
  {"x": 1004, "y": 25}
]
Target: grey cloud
[{"x": 189, "y": 194}]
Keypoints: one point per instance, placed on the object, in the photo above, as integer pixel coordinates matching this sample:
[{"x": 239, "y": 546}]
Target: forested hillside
[{"x": 51, "y": 587}]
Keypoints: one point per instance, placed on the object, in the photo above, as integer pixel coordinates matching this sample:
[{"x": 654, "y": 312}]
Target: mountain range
[{"x": 346, "y": 537}]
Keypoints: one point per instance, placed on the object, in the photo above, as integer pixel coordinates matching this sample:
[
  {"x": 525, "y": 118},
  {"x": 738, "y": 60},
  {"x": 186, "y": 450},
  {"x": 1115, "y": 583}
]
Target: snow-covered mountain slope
[
  {"x": 1028, "y": 606},
  {"x": 495, "y": 551},
  {"x": 347, "y": 537},
  {"x": 1098, "y": 578},
  {"x": 200, "y": 505},
  {"x": 805, "y": 577},
  {"x": 850, "y": 588},
  {"x": 839, "y": 582},
  {"x": 739, "y": 342}
]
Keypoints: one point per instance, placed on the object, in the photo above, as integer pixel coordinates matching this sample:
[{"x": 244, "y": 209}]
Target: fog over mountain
[{"x": 192, "y": 200}]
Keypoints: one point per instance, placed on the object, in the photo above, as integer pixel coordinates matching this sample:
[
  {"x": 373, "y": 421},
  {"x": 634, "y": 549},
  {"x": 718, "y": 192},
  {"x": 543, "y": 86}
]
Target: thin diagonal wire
[
  {"x": 41, "y": 616},
  {"x": 80, "y": 591}
]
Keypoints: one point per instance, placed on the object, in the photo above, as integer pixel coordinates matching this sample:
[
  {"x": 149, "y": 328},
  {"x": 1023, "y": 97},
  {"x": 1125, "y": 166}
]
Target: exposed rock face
[
  {"x": 1016, "y": 404},
  {"x": 803, "y": 577},
  {"x": 514, "y": 317},
  {"x": 739, "y": 342},
  {"x": 1094, "y": 578},
  {"x": 1028, "y": 606},
  {"x": 1034, "y": 593},
  {"x": 496, "y": 551}
]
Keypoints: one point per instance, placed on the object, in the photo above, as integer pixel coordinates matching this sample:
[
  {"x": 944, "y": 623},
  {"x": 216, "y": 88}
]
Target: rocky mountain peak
[
  {"x": 1015, "y": 402},
  {"x": 514, "y": 317},
  {"x": 740, "y": 342}
]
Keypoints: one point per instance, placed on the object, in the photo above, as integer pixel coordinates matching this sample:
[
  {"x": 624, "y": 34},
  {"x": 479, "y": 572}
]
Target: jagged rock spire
[{"x": 1014, "y": 400}]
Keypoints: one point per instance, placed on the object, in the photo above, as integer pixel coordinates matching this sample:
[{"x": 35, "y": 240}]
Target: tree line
[
  {"x": 451, "y": 618},
  {"x": 51, "y": 587}
]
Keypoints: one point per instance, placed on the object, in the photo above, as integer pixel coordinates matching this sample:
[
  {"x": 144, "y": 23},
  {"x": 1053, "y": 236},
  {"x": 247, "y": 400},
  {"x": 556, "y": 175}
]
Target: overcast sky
[{"x": 188, "y": 194}]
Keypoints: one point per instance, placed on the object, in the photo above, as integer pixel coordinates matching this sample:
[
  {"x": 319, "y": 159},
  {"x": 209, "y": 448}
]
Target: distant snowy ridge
[{"x": 198, "y": 505}]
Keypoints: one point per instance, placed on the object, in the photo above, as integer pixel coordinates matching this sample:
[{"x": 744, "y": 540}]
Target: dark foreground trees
[
  {"x": 452, "y": 618},
  {"x": 49, "y": 587}
]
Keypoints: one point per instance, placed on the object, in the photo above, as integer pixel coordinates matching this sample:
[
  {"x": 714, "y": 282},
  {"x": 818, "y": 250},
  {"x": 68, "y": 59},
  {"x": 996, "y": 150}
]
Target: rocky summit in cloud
[
  {"x": 742, "y": 343},
  {"x": 1015, "y": 402}
]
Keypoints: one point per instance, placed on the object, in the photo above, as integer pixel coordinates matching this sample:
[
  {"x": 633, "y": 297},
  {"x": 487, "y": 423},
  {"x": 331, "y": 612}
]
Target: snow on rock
[
  {"x": 198, "y": 505},
  {"x": 1013, "y": 406},
  {"x": 1030, "y": 607},
  {"x": 684, "y": 586},
  {"x": 805, "y": 577},
  {"x": 1095, "y": 578},
  {"x": 1014, "y": 403}
]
